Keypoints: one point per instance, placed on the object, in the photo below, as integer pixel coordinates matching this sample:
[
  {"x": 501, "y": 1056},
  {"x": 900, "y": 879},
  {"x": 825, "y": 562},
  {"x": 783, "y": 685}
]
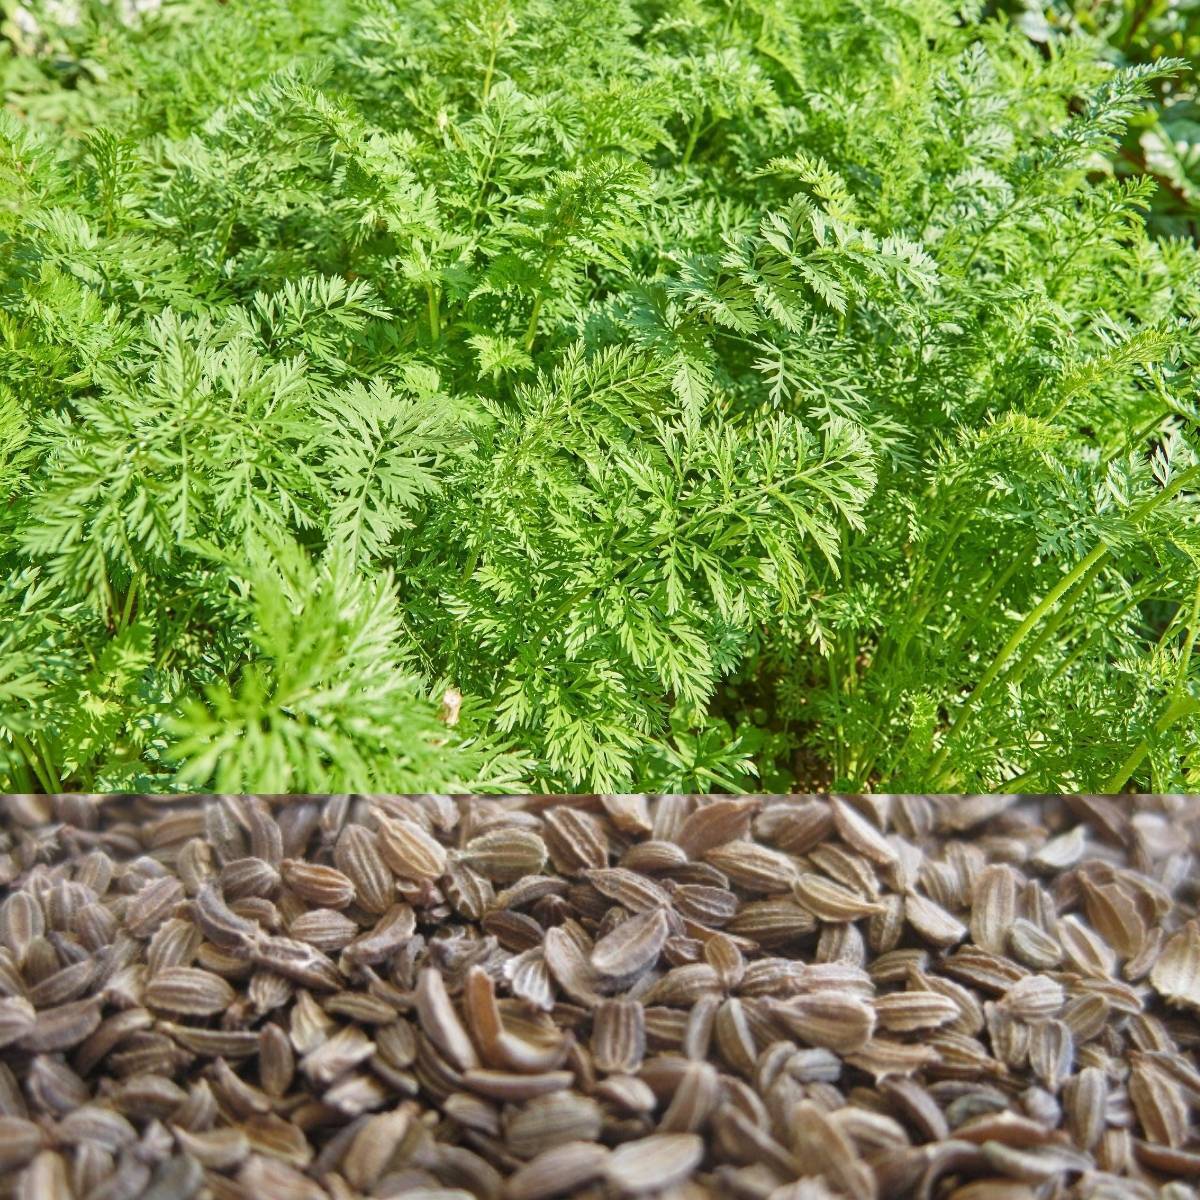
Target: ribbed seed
[
  {"x": 357, "y": 856},
  {"x": 189, "y": 991},
  {"x": 324, "y": 886},
  {"x": 409, "y": 850},
  {"x": 618, "y": 1036}
]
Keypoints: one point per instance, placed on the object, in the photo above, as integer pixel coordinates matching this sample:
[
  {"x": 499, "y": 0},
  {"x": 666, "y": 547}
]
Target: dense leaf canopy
[{"x": 588, "y": 395}]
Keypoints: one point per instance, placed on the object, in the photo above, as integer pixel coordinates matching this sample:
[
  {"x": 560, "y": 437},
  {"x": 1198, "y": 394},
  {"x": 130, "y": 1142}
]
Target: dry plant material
[{"x": 763, "y": 998}]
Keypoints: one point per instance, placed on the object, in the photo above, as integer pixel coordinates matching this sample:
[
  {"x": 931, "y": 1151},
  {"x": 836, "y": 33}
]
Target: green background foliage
[
  {"x": 716, "y": 394},
  {"x": 1163, "y": 139}
]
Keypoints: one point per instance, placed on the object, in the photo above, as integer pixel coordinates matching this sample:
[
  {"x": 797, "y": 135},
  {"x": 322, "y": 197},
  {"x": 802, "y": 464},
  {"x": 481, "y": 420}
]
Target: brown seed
[
  {"x": 552, "y": 1120},
  {"x": 152, "y": 905},
  {"x": 529, "y": 978},
  {"x": 334, "y": 1057},
  {"x": 503, "y": 1085},
  {"x": 272, "y": 1179},
  {"x": 753, "y": 867},
  {"x": 629, "y": 889},
  {"x": 21, "y": 921},
  {"x": 1087, "y": 952},
  {"x": 217, "y": 1149},
  {"x": 695, "y": 1100},
  {"x": 659, "y": 858},
  {"x": 221, "y": 926},
  {"x": 1176, "y": 975},
  {"x": 244, "y": 877},
  {"x": 837, "y": 1021},
  {"x": 1051, "y": 1053},
  {"x": 932, "y": 922},
  {"x": 1086, "y": 1096},
  {"x": 219, "y": 1043},
  {"x": 618, "y": 1036},
  {"x": 276, "y": 1062},
  {"x": 654, "y": 1163},
  {"x": 321, "y": 885},
  {"x": 325, "y": 928},
  {"x": 469, "y": 893},
  {"x": 884, "y": 1058},
  {"x": 829, "y": 901},
  {"x": 373, "y": 1148},
  {"x": 17, "y": 1019},
  {"x": 45, "y": 1178},
  {"x": 1159, "y": 1104},
  {"x": 1034, "y": 998},
  {"x": 409, "y": 850},
  {"x": 506, "y": 854},
  {"x": 799, "y": 828},
  {"x": 1114, "y": 914},
  {"x": 857, "y": 832},
  {"x": 297, "y": 961},
  {"x": 994, "y": 907},
  {"x": 906, "y": 1011},
  {"x": 20, "y": 1140},
  {"x": 630, "y": 814},
  {"x": 1033, "y": 946},
  {"x": 356, "y": 854},
  {"x": 633, "y": 947},
  {"x": 188, "y": 990},
  {"x": 63, "y": 1027},
  {"x": 560, "y": 1171},
  {"x": 576, "y": 841},
  {"x": 95, "y": 1124},
  {"x": 440, "y": 1022},
  {"x": 822, "y": 1148},
  {"x": 714, "y": 824}
]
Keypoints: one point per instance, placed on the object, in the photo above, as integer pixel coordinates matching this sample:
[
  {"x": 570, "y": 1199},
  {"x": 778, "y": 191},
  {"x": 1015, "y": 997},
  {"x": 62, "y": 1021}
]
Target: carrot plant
[{"x": 588, "y": 395}]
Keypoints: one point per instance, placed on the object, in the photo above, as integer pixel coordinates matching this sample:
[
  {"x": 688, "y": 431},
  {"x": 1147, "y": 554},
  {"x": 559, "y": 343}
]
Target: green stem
[
  {"x": 48, "y": 763},
  {"x": 1010, "y": 648},
  {"x": 435, "y": 323},
  {"x": 531, "y": 328},
  {"x": 1068, "y": 581},
  {"x": 35, "y": 763},
  {"x": 918, "y": 612},
  {"x": 130, "y": 596},
  {"x": 1180, "y": 705},
  {"x": 1185, "y": 658},
  {"x": 984, "y": 604},
  {"x": 1050, "y": 627},
  {"x": 693, "y": 138},
  {"x": 487, "y": 78},
  {"x": 1180, "y": 708}
]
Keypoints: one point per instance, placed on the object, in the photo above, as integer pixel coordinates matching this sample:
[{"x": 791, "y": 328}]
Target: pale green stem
[{"x": 1068, "y": 581}]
